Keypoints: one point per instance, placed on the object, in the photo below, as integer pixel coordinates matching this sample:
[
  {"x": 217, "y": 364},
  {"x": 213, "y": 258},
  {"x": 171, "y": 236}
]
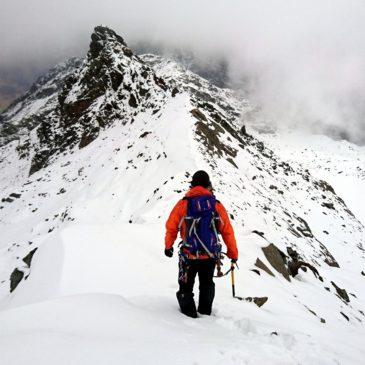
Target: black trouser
[{"x": 187, "y": 273}]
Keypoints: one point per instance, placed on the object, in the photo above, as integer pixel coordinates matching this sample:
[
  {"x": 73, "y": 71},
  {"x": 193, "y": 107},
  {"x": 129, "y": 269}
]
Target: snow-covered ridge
[
  {"x": 89, "y": 188},
  {"x": 26, "y": 112}
]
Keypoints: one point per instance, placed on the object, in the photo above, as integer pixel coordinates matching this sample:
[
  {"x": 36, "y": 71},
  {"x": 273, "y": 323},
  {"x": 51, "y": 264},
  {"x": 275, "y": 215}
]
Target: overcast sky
[{"x": 302, "y": 61}]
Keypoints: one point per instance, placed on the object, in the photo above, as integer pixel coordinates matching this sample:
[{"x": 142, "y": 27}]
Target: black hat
[{"x": 201, "y": 178}]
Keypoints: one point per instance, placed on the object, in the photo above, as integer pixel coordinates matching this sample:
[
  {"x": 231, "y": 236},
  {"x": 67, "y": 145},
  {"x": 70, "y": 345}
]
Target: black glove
[
  {"x": 234, "y": 261},
  {"x": 169, "y": 252}
]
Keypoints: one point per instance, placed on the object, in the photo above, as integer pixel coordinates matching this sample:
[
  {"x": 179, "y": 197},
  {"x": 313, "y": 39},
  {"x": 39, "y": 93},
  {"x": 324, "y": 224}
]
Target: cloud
[{"x": 303, "y": 62}]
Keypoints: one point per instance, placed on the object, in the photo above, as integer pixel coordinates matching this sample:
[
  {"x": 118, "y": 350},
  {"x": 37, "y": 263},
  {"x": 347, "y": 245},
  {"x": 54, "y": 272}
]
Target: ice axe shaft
[
  {"x": 259, "y": 301},
  {"x": 233, "y": 285},
  {"x": 232, "y": 281}
]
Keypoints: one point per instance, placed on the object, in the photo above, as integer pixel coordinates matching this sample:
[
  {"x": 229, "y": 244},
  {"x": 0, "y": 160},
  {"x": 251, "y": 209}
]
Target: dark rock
[
  {"x": 294, "y": 232},
  {"x": 99, "y": 37},
  {"x": 325, "y": 186},
  {"x": 294, "y": 266},
  {"x": 303, "y": 228},
  {"x": 256, "y": 271},
  {"x": 132, "y": 101},
  {"x": 262, "y": 266},
  {"x": 297, "y": 263},
  {"x": 259, "y": 301},
  {"x": 342, "y": 293},
  {"x": 328, "y": 205},
  {"x": 344, "y": 315},
  {"x": 127, "y": 51},
  {"x": 198, "y": 114},
  {"x": 243, "y": 131},
  {"x": 143, "y": 92},
  {"x": 39, "y": 160},
  {"x": 160, "y": 82},
  {"x": 15, "y": 195},
  {"x": 76, "y": 109},
  {"x": 144, "y": 134},
  {"x": 274, "y": 333},
  {"x": 292, "y": 253},
  {"x": 312, "y": 311},
  {"x": 15, "y": 278},
  {"x": 174, "y": 91},
  {"x": 87, "y": 138},
  {"x": 7, "y": 200},
  {"x": 328, "y": 258},
  {"x": 277, "y": 259},
  {"x": 28, "y": 259},
  {"x": 232, "y": 162},
  {"x": 210, "y": 138},
  {"x": 116, "y": 79},
  {"x": 261, "y": 234},
  {"x": 323, "y": 320}
]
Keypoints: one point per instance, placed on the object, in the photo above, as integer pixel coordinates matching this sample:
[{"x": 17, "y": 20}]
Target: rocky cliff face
[
  {"x": 112, "y": 86},
  {"x": 119, "y": 141},
  {"x": 27, "y": 112}
]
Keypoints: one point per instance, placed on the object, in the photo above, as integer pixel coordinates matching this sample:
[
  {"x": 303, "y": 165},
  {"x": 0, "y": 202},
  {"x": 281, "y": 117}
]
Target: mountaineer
[{"x": 200, "y": 218}]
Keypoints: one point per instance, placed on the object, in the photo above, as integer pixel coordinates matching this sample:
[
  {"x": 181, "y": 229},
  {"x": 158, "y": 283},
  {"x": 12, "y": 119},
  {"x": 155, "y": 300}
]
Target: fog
[{"x": 302, "y": 62}]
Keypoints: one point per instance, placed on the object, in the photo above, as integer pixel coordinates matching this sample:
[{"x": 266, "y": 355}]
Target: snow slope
[
  {"x": 91, "y": 186},
  {"x": 26, "y": 112},
  {"x": 339, "y": 162}
]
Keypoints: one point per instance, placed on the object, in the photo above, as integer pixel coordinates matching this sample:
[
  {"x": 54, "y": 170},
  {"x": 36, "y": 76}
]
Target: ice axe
[
  {"x": 232, "y": 282},
  {"x": 259, "y": 301}
]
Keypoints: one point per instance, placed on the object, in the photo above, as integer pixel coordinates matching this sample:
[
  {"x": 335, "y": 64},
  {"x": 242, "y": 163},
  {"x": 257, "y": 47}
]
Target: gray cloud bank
[{"x": 303, "y": 62}]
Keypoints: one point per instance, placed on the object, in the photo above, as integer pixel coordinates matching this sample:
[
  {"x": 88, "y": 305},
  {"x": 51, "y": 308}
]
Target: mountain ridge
[{"x": 118, "y": 148}]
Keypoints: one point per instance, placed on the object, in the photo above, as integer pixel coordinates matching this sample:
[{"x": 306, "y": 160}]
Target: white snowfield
[
  {"x": 99, "y": 289},
  {"x": 340, "y": 163},
  {"x": 108, "y": 298}
]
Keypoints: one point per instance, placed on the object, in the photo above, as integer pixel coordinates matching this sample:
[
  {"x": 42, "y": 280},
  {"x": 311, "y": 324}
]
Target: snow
[
  {"x": 107, "y": 307},
  {"x": 339, "y": 162},
  {"x": 100, "y": 290}
]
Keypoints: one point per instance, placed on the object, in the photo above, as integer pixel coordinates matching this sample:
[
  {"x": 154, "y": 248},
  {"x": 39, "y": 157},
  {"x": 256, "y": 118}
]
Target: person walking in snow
[{"x": 199, "y": 217}]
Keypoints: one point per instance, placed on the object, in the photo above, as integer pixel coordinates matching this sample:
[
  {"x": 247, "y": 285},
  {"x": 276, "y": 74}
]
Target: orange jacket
[{"x": 180, "y": 211}]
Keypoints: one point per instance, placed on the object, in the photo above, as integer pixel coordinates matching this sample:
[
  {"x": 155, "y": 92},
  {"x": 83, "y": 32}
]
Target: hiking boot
[
  {"x": 187, "y": 304},
  {"x": 206, "y": 297}
]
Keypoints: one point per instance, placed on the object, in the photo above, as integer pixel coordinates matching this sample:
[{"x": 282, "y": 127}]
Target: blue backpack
[{"x": 201, "y": 227}]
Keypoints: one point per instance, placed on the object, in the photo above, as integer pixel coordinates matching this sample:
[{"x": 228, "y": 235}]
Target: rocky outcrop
[
  {"x": 288, "y": 266},
  {"x": 112, "y": 85},
  {"x": 259, "y": 301},
  {"x": 297, "y": 263},
  {"x": 15, "y": 278},
  {"x": 28, "y": 258},
  {"x": 262, "y": 266},
  {"x": 342, "y": 293},
  {"x": 19, "y": 274},
  {"x": 277, "y": 260},
  {"x": 43, "y": 93}
]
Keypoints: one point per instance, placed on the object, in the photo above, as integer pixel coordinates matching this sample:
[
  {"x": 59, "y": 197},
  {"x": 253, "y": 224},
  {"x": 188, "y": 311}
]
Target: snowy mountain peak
[
  {"x": 89, "y": 184},
  {"x": 101, "y": 38},
  {"x": 111, "y": 86}
]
